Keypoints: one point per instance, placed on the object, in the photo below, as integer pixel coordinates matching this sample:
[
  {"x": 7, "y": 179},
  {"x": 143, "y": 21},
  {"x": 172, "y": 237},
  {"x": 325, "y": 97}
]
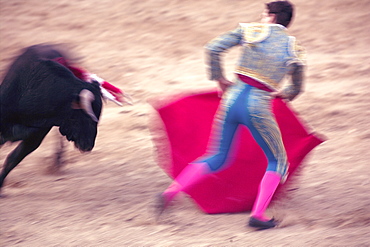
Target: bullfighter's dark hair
[{"x": 283, "y": 11}]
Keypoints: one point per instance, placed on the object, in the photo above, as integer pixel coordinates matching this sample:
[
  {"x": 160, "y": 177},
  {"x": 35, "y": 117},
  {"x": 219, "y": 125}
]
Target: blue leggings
[{"x": 250, "y": 106}]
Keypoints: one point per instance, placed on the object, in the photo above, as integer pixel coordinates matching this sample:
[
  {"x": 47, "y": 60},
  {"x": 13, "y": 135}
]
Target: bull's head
[{"x": 81, "y": 127}]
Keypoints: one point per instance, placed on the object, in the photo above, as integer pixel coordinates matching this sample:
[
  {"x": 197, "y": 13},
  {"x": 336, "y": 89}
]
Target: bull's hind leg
[{"x": 26, "y": 147}]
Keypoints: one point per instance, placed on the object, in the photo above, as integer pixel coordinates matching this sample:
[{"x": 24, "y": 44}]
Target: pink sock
[
  {"x": 190, "y": 175},
  {"x": 266, "y": 190}
]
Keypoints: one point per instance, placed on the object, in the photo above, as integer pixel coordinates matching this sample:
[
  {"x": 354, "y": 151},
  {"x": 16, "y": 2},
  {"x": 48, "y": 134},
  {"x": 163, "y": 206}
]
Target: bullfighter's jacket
[{"x": 268, "y": 53}]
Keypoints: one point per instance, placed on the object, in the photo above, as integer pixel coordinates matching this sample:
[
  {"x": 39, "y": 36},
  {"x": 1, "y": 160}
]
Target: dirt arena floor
[{"x": 154, "y": 47}]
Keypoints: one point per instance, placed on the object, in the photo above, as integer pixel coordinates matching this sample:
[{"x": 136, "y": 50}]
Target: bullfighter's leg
[{"x": 26, "y": 147}]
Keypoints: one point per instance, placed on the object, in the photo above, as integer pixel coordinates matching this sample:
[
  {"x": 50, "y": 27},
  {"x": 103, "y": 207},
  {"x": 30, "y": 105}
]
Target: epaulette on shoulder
[
  {"x": 255, "y": 32},
  {"x": 297, "y": 51}
]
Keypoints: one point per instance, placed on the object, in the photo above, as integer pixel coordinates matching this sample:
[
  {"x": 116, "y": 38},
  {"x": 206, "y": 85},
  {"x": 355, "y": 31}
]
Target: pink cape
[{"x": 180, "y": 139}]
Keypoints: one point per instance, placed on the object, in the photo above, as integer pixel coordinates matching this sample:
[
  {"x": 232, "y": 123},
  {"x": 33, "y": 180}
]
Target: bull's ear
[{"x": 76, "y": 103}]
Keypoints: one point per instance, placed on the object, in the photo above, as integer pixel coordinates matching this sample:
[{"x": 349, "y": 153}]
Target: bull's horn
[{"x": 86, "y": 99}]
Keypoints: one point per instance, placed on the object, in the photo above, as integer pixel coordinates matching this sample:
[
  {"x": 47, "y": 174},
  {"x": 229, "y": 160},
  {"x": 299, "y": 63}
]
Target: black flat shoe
[
  {"x": 160, "y": 204},
  {"x": 261, "y": 225}
]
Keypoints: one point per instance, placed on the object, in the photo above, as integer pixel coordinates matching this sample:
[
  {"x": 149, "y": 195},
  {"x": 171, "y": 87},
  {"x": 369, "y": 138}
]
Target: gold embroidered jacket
[{"x": 268, "y": 53}]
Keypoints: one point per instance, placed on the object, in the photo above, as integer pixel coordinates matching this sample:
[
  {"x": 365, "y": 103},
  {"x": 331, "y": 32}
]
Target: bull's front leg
[{"x": 26, "y": 147}]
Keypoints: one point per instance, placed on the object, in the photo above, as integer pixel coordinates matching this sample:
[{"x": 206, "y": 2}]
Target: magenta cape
[{"x": 180, "y": 139}]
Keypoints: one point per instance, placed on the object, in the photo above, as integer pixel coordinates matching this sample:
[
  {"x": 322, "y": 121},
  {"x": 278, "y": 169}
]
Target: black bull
[{"x": 38, "y": 93}]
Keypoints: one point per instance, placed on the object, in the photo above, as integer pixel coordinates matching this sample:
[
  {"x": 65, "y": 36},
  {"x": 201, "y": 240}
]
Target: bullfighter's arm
[
  {"x": 292, "y": 90},
  {"x": 216, "y": 47}
]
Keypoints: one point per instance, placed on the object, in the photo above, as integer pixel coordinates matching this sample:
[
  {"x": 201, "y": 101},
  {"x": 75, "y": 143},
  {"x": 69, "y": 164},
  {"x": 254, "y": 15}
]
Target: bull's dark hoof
[
  {"x": 261, "y": 225},
  {"x": 2, "y": 141}
]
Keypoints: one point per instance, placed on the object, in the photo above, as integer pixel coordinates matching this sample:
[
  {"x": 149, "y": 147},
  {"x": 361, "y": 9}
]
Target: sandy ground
[{"x": 155, "y": 47}]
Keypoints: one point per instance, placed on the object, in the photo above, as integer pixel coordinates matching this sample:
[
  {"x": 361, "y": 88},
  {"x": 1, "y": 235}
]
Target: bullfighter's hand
[{"x": 223, "y": 84}]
